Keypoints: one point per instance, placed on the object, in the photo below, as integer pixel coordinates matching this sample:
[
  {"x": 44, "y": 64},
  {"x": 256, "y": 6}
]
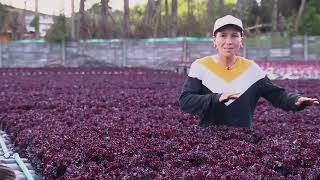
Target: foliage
[
  {"x": 310, "y": 22},
  {"x": 230, "y": 1},
  {"x": 117, "y": 26},
  {"x": 137, "y": 13},
  {"x": 14, "y": 22},
  {"x": 112, "y": 123},
  {"x": 58, "y": 31},
  {"x": 197, "y": 23},
  {"x": 35, "y": 23},
  {"x": 290, "y": 26},
  {"x": 3, "y": 14},
  {"x": 143, "y": 31}
]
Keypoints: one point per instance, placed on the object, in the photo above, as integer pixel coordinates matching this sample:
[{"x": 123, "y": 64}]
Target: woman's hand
[
  {"x": 225, "y": 97},
  {"x": 305, "y": 101}
]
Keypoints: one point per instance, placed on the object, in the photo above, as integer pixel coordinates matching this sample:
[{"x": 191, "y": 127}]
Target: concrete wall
[{"x": 154, "y": 54}]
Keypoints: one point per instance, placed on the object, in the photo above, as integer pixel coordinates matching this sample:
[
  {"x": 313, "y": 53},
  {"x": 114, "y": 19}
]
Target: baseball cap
[{"x": 227, "y": 20}]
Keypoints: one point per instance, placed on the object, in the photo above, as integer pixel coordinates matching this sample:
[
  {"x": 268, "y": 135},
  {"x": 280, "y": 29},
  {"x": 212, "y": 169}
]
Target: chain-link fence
[{"x": 154, "y": 53}]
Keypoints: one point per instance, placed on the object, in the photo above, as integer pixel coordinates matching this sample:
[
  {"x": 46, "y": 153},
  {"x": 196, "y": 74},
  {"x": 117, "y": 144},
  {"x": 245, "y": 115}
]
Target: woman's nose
[{"x": 229, "y": 40}]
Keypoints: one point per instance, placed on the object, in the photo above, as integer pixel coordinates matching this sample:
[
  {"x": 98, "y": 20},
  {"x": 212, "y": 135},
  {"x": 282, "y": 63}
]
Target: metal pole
[
  {"x": 244, "y": 50},
  {"x": 0, "y": 54},
  {"x": 63, "y": 53},
  {"x": 305, "y": 45},
  {"x": 125, "y": 52},
  {"x": 184, "y": 58}
]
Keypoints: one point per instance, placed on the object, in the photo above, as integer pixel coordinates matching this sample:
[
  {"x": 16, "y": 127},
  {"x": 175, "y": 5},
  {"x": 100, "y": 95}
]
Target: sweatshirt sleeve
[
  {"x": 278, "y": 96},
  {"x": 192, "y": 101}
]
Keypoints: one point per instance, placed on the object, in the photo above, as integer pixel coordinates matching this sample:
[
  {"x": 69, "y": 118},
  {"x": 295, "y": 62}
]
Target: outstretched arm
[{"x": 278, "y": 97}]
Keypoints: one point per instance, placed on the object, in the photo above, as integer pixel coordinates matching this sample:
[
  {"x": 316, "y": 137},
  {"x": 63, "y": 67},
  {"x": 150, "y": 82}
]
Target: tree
[
  {"x": 152, "y": 17},
  {"x": 249, "y": 12},
  {"x": 210, "y": 15},
  {"x": 149, "y": 12},
  {"x": 58, "y": 31},
  {"x": 166, "y": 7},
  {"x": 126, "y": 18},
  {"x": 221, "y": 6},
  {"x": 300, "y": 13},
  {"x": 3, "y": 15},
  {"x": 83, "y": 33},
  {"x": 275, "y": 16},
  {"x": 35, "y": 24},
  {"x": 15, "y": 23},
  {"x": 73, "y": 25},
  {"x": 310, "y": 21},
  {"x": 190, "y": 18},
  {"x": 157, "y": 19},
  {"x": 104, "y": 32},
  {"x": 37, "y": 19},
  {"x": 174, "y": 18}
]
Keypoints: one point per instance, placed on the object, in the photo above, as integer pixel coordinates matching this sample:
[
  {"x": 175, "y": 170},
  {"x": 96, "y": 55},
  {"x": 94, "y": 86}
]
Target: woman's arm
[
  {"x": 192, "y": 101},
  {"x": 278, "y": 97}
]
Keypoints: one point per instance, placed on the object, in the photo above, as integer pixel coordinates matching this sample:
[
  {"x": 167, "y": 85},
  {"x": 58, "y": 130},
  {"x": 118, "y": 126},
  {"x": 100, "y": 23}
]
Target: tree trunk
[
  {"x": 104, "y": 18},
  {"x": 157, "y": 19},
  {"x": 73, "y": 28},
  {"x": 149, "y": 12},
  {"x": 274, "y": 16},
  {"x": 257, "y": 30},
  {"x": 174, "y": 18},
  {"x": 37, "y": 14},
  {"x": 15, "y": 22},
  {"x": 210, "y": 15},
  {"x": 300, "y": 13},
  {"x": 240, "y": 8},
  {"x": 189, "y": 18},
  {"x": 221, "y": 6},
  {"x": 83, "y": 28},
  {"x": 167, "y": 17},
  {"x": 126, "y": 18},
  {"x": 189, "y": 8},
  {"x": 152, "y": 18}
]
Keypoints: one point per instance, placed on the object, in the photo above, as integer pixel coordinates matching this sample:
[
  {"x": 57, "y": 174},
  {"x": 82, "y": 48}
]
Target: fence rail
[{"x": 154, "y": 53}]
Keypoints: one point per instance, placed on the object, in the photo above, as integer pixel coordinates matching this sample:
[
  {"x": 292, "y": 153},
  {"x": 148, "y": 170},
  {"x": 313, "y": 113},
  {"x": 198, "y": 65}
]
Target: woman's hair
[
  {"x": 6, "y": 173},
  {"x": 228, "y": 26}
]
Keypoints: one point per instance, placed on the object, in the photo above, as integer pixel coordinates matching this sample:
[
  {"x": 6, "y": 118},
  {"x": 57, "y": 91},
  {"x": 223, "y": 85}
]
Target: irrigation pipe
[
  {"x": 23, "y": 166},
  {"x": 6, "y": 153}
]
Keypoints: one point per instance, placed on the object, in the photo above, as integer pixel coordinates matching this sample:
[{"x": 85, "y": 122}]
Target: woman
[{"x": 224, "y": 89}]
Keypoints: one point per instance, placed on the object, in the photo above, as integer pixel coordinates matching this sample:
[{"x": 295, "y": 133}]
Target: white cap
[{"x": 226, "y": 20}]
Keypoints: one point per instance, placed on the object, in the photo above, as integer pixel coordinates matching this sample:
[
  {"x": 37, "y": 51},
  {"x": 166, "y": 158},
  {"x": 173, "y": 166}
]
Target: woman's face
[{"x": 228, "y": 42}]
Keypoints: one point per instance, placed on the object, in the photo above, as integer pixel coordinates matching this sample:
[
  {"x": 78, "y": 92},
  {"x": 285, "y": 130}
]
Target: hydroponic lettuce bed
[{"x": 126, "y": 124}]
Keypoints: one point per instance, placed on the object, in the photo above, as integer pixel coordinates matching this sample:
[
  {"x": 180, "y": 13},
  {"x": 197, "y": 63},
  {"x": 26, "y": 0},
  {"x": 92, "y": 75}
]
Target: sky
[{"x": 57, "y": 7}]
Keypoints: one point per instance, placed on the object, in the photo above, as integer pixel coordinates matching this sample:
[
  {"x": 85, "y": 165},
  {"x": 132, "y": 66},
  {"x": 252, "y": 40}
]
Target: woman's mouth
[{"x": 228, "y": 49}]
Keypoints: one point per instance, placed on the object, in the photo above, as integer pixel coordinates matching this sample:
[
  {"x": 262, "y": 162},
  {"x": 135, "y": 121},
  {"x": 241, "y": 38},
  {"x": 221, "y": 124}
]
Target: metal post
[
  {"x": 305, "y": 45},
  {"x": 0, "y": 54},
  {"x": 63, "y": 53},
  {"x": 185, "y": 50},
  {"x": 125, "y": 52}
]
